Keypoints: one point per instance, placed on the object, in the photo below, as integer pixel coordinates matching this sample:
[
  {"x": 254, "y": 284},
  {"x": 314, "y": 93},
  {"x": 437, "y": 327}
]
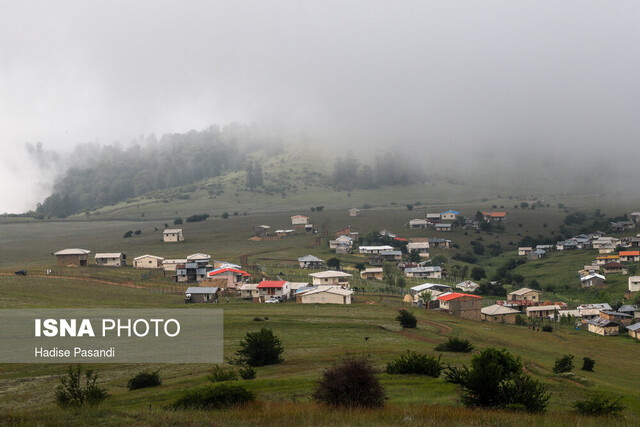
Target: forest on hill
[{"x": 102, "y": 175}]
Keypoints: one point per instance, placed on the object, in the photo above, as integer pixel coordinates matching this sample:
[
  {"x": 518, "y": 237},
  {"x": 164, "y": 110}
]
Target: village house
[
  {"x": 375, "y": 249},
  {"x": 618, "y": 317},
  {"x": 614, "y": 268},
  {"x": 632, "y": 310},
  {"x": 603, "y": 259},
  {"x": 354, "y": 212},
  {"x": 495, "y": 216},
  {"x": 620, "y": 226},
  {"x": 347, "y": 231},
  {"x": 433, "y": 218},
  {"x": 543, "y": 311},
  {"x": 431, "y": 287},
  {"x": 603, "y": 327},
  {"x": 498, "y": 313},
  {"x": 310, "y": 261},
  {"x": 299, "y": 220},
  {"x": 537, "y": 254},
  {"x": 607, "y": 248},
  {"x": 194, "y": 269},
  {"x": 524, "y": 294},
  {"x": 602, "y": 241},
  {"x": 72, "y": 257},
  {"x": 634, "y": 330},
  {"x": 545, "y": 248},
  {"x": 418, "y": 223},
  {"x": 228, "y": 278},
  {"x": 566, "y": 245},
  {"x": 629, "y": 256},
  {"x": 635, "y": 216},
  {"x": 274, "y": 288},
  {"x": 449, "y": 215},
  {"x": 421, "y": 247},
  {"x": 468, "y": 286},
  {"x": 201, "y": 295},
  {"x": 173, "y": 235},
  {"x": 391, "y": 255},
  {"x": 594, "y": 279},
  {"x": 589, "y": 269},
  {"x": 284, "y": 233},
  {"x": 341, "y": 241},
  {"x": 434, "y": 272},
  {"x": 591, "y": 311},
  {"x": 114, "y": 259},
  {"x": 634, "y": 283},
  {"x": 463, "y": 305},
  {"x": 325, "y": 295},
  {"x": 172, "y": 264},
  {"x": 261, "y": 230},
  {"x": 524, "y": 250},
  {"x": 440, "y": 243},
  {"x": 443, "y": 227},
  {"x": 330, "y": 278},
  {"x": 250, "y": 291},
  {"x": 373, "y": 273},
  {"x": 148, "y": 261}
]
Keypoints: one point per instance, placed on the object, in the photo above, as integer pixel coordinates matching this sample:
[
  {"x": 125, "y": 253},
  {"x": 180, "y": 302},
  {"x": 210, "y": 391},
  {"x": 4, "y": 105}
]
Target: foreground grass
[{"x": 301, "y": 414}]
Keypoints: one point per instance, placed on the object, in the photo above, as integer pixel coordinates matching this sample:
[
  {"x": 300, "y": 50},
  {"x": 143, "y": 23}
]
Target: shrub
[
  {"x": 406, "y": 319},
  {"x": 177, "y": 221},
  {"x": 599, "y": 404},
  {"x": 414, "y": 363},
  {"x": 547, "y": 328},
  {"x": 564, "y": 364},
  {"x": 144, "y": 379},
  {"x": 219, "y": 374},
  {"x": 247, "y": 372},
  {"x": 495, "y": 379},
  {"x": 214, "y": 397},
  {"x": 72, "y": 393},
  {"x": 455, "y": 344},
  {"x": 128, "y": 234},
  {"x": 260, "y": 348},
  {"x": 520, "y": 320},
  {"x": 350, "y": 383},
  {"x": 588, "y": 364}
]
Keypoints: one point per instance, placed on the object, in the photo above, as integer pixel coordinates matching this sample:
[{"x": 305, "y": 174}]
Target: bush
[
  {"x": 406, "y": 319},
  {"x": 214, "y": 397},
  {"x": 144, "y": 379},
  {"x": 588, "y": 364},
  {"x": 260, "y": 348},
  {"x": 247, "y": 372},
  {"x": 414, "y": 363},
  {"x": 177, "y": 221},
  {"x": 564, "y": 364},
  {"x": 600, "y": 404},
  {"x": 455, "y": 344},
  {"x": 72, "y": 393},
  {"x": 128, "y": 234},
  {"x": 547, "y": 328},
  {"x": 496, "y": 379},
  {"x": 350, "y": 383},
  {"x": 219, "y": 374}
]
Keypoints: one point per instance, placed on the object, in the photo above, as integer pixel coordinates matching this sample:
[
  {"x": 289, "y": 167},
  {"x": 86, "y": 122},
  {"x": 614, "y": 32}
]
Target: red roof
[
  {"x": 630, "y": 253},
  {"x": 456, "y": 295},
  {"x": 271, "y": 284},
  {"x": 613, "y": 264},
  {"x": 225, "y": 270},
  {"x": 400, "y": 239}
]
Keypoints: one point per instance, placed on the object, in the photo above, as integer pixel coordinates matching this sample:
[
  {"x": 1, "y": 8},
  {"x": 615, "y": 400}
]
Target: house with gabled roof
[
  {"x": 111, "y": 259},
  {"x": 634, "y": 283},
  {"x": 228, "y": 278},
  {"x": 603, "y": 259},
  {"x": 449, "y": 215},
  {"x": 148, "y": 261},
  {"x": 524, "y": 250},
  {"x": 325, "y": 295},
  {"x": 499, "y": 314},
  {"x": 594, "y": 279},
  {"x": 310, "y": 261},
  {"x": 495, "y": 216},
  {"x": 439, "y": 243},
  {"x": 172, "y": 235},
  {"x": 468, "y": 286},
  {"x": 201, "y": 294},
  {"x": 72, "y": 257},
  {"x": 432, "y": 272},
  {"x": 421, "y": 247},
  {"x": 299, "y": 220},
  {"x": 375, "y": 249},
  {"x": 524, "y": 294},
  {"x": 249, "y": 291},
  {"x": 634, "y": 330},
  {"x": 433, "y": 218},
  {"x": 274, "y": 288},
  {"x": 463, "y": 305},
  {"x": 330, "y": 278},
  {"x": 418, "y": 223},
  {"x": 629, "y": 256},
  {"x": 543, "y": 311},
  {"x": 372, "y": 273},
  {"x": 614, "y": 268},
  {"x": 437, "y": 287},
  {"x": 354, "y": 212},
  {"x": 603, "y": 327}
]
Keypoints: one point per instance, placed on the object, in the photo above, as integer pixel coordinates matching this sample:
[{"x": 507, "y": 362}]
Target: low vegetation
[
  {"x": 220, "y": 373},
  {"x": 76, "y": 391},
  {"x": 216, "y": 396},
  {"x": 600, "y": 404},
  {"x": 564, "y": 364},
  {"x": 456, "y": 345},
  {"x": 350, "y": 383},
  {"x": 144, "y": 379},
  {"x": 414, "y": 363}
]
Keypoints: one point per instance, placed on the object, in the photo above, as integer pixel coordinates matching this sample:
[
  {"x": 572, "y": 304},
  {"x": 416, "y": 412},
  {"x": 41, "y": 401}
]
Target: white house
[
  {"x": 434, "y": 272},
  {"x": 437, "y": 287},
  {"x": 325, "y": 295},
  {"x": 172, "y": 264},
  {"x": 274, "y": 288},
  {"x": 375, "y": 249},
  {"x": 468, "y": 286},
  {"x": 354, "y": 212},
  {"x": 148, "y": 261},
  {"x": 116, "y": 259},
  {"x": 449, "y": 215},
  {"x": 173, "y": 235},
  {"x": 421, "y": 247},
  {"x": 299, "y": 220},
  {"x": 330, "y": 278},
  {"x": 418, "y": 223},
  {"x": 634, "y": 283},
  {"x": 524, "y": 250},
  {"x": 249, "y": 291}
]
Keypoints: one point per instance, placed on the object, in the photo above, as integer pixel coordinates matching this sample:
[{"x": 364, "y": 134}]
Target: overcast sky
[{"x": 503, "y": 75}]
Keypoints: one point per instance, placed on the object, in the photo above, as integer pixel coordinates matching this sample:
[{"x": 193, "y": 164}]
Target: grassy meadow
[{"x": 314, "y": 336}]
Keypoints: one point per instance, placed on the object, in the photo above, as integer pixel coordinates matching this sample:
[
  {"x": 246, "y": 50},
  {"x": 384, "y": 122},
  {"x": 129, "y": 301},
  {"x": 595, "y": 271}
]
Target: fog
[{"x": 460, "y": 83}]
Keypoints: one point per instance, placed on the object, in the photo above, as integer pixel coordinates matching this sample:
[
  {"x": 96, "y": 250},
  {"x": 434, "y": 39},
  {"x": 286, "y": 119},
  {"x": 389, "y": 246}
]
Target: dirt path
[{"x": 442, "y": 328}]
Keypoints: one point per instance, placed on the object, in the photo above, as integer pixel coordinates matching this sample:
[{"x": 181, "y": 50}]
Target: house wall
[
  {"x": 500, "y": 318},
  {"x": 448, "y": 216},
  {"x": 610, "y": 331},
  {"x": 467, "y": 307},
  {"x": 201, "y": 298},
  {"x": 173, "y": 237},
  {"x": 299, "y": 221},
  {"x": 634, "y": 283},
  {"x": 111, "y": 262},
  {"x": 372, "y": 276},
  {"x": 77, "y": 260},
  {"x": 147, "y": 262},
  {"x": 325, "y": 298}
]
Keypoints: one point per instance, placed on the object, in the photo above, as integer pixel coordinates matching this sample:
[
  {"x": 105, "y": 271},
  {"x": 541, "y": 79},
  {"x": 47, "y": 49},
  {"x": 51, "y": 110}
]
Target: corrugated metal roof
[
  {"x": 74, "y": 251},
  {"x": 201, "y": 290}
]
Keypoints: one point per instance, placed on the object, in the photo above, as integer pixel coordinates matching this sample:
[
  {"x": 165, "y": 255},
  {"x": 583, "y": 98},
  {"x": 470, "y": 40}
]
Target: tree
[
  {"x": 414, "y": 255},
  {"x": 333, "y": 263},
  {"x": 438, "y": 260},
  {"x": 177, "y": 221},
  {"x": 260, "y": 348},
  {"x": 360, "y": 266},
  {"x": 407, "y": 319},
  {"x": 496, "y": 379},
  {"x": 72, "y": 393},
  {"x": 478, "y": 273},
  {"x": 563, "y": 364},
  {"x": 409, "y": 207},
  {"x": 128, "y": 234},
  {"x": 350, "y": 383}
]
